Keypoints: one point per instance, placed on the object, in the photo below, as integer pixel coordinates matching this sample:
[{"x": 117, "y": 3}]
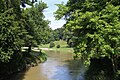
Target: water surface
[{"x": 59, "y": 66}]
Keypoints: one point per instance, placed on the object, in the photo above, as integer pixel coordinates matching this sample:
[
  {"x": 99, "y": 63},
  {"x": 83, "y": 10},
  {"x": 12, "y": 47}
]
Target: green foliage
[
  {"x": 57, "y": 34},
  {"x": 17, "y": 29},
  {"x": 42, "y": 56},
  {"x": 52, "y": 44},
  {"x": 36, "y": 26},
  {"x": 62, "y": 10},
  {"x": 95, "y": 25},
  {"x": 103, "y": 71},
  {"x": 10, "y": 33},
  {"x": 63, "y": 44},
  {"x": 61, "y": 34},
  {"x": 58, "y": 46}
]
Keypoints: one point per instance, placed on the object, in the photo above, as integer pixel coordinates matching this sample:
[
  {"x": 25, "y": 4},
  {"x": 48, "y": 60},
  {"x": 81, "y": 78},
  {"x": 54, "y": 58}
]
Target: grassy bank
[{"x": 63, "y": 46}]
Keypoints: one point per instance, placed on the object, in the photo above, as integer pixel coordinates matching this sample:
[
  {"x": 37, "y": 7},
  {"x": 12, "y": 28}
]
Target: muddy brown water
[{"x": 59, "y": 66}]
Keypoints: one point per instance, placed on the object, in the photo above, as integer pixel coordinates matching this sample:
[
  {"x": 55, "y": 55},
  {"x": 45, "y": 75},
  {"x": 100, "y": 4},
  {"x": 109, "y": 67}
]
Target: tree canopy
[
  {"x": 18, "y": 28},
  {"x": 36, "y": 26},
  {"x": 96, "y": 26}
]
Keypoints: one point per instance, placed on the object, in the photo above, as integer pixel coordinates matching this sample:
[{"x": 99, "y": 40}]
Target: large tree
[
  {"x": 10, "y": 29},
  {"x": 36, "y": 26},
  {"x": 96, "y": 26},
  {"x": 14, "y": 31}
]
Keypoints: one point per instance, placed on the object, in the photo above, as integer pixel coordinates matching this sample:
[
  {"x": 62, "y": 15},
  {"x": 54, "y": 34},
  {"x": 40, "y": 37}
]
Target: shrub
[
  {"x": 52, "y": 44},
  {"x": 58, "y": 46}
]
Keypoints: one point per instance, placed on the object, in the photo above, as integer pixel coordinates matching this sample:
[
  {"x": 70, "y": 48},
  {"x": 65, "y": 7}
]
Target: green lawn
[{"x": 63, "y": 46}]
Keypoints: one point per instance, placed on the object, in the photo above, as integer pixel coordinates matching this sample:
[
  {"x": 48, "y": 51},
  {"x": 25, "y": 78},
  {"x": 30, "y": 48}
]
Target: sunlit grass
[{"x": 63, "y": 46}]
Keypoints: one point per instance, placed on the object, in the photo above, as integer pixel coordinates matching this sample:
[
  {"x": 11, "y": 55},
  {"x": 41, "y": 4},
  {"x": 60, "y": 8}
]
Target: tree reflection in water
[{"x": 76, "y": 69}]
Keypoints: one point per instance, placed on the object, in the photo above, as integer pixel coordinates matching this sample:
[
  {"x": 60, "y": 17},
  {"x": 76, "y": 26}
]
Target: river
[{"x": 59, "y": 66}]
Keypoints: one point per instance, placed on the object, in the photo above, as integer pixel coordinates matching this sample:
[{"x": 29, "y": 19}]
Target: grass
[
  {"x": 63, "y": 46},
  {"x": 44, "y": 46}
]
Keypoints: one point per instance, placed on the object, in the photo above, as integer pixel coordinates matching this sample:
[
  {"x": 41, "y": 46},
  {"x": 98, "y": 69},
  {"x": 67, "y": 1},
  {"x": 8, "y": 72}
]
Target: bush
[
  {"x": 58, "y": 46},
  {"x": 52, "y": 44}
]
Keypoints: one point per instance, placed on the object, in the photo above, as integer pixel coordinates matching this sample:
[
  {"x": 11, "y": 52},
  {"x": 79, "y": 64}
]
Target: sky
[{"x": 49, "y": 13}]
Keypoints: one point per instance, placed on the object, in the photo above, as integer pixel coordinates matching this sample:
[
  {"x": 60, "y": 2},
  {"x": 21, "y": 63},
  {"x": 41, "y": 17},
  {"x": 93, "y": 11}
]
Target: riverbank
[
  {"x": 59, "y": 65},
  {"x": 53, "y": 49}
]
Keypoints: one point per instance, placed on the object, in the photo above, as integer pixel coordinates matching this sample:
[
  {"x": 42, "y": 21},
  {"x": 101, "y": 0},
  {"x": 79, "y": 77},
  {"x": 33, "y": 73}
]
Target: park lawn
[{"x": 63, "y": 46}]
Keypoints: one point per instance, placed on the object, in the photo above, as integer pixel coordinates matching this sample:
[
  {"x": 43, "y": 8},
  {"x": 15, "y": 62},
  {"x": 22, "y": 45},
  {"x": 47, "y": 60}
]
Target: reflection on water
[
  {"x": 59, "y": 66},
  {"x": 62, "y": 66}
]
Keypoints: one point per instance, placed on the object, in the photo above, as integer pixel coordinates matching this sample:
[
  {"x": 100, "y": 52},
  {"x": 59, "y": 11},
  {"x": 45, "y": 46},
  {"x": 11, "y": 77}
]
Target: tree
[
  {"x": 36, "y": 26},
  {"x": 96, "y": 26},
  {"x": 10, "y": 37},
  {"x": 14, "y": 32},
  {"x": 10, "y": 31},
  {"x": 57, "y": 34}
]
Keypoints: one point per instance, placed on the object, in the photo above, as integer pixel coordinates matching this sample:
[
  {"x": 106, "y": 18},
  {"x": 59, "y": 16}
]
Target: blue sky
[{"x": 49, "y": 13}]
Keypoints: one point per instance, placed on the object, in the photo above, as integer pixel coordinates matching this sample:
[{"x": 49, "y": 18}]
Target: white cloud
[
  {"x": 57, "y": 24},
  {"x": 49, "y": 13}
]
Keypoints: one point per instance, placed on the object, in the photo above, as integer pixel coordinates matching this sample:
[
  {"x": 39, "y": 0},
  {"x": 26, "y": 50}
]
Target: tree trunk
[
  {"x": 29, "y": 47},
  {"x": 114, "y": 63}
]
